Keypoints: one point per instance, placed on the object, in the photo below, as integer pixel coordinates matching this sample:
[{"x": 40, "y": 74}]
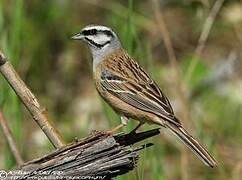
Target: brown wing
[{"x": 125, "y": 79}]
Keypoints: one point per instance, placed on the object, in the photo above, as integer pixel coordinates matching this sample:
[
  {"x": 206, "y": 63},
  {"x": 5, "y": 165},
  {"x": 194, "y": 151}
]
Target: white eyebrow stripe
[{"x": 99, "y": 28}]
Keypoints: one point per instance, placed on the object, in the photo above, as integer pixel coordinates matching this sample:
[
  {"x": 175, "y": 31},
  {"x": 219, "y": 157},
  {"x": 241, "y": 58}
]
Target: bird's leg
[
  {"x": 137, "y": 127},
  {"x": 124, "y": 122}
]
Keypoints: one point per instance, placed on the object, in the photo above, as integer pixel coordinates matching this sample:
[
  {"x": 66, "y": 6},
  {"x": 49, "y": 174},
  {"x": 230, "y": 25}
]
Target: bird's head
[{"x": 99, "y": 38}]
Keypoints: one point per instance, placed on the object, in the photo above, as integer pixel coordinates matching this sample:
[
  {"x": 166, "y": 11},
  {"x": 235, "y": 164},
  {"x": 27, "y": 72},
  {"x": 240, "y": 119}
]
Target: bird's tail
[{"x": 190, "y": 142}]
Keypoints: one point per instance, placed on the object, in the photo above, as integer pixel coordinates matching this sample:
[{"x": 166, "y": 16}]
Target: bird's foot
[
  {"x": 133, "y": 132},
  {"x": 111, "y": 131}
]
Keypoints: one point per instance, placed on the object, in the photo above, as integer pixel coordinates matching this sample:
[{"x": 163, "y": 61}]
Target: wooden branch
[
  {"x": 29, "y": 100},
  {"x": 97, "y": 156},
  {"x": 12, "y": 144}
]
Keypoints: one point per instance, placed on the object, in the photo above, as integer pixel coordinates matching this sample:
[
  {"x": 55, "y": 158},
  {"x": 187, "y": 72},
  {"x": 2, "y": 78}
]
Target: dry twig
[
  {"x": 12, "y": 144},
  {"x": 29, "y": 100}
]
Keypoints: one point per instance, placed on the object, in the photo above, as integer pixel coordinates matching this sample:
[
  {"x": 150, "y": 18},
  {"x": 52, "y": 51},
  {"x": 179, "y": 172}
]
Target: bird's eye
[
  {"x": 89, "y": 32},
  {"x": 93, "y": 31}
]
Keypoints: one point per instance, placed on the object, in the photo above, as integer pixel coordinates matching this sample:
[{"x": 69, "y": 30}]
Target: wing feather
[
  {"x": 124, "y": 78},
  {"x": 127, "y": 93}
]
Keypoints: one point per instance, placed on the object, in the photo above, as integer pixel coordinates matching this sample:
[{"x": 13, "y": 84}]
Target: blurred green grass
[
  {"x": 11, "y": 44},
  {"x": 35, "y": 37}
]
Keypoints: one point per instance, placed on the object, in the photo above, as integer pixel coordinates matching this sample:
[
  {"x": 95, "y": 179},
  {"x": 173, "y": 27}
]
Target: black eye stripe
[
  {"x": 108, "y": 33},
  {"x": 92, "y": 32},
  {"x": 89, "y": 32}
]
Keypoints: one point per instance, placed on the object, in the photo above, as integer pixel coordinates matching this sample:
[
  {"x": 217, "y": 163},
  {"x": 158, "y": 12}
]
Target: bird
[{"x": 130, "y": 90}]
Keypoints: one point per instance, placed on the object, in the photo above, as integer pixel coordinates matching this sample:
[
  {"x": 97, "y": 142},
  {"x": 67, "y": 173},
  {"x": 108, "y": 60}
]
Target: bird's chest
[{"x": 98, "y": 78}]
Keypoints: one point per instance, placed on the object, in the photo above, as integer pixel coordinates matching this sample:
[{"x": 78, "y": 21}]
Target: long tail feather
[{"x": 190, "y": 142}]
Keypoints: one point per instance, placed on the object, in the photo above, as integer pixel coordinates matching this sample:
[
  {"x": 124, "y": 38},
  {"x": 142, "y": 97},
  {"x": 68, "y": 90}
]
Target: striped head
[{"x": 101, "y": 40}]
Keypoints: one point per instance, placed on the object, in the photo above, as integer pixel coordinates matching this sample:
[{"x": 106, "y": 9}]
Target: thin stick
[
  {"x": 165, "y": 36},
  {"x": 29, "y": 100},
  {"x": 12, "y": 144},
  {"x": 203, "y": 37}
]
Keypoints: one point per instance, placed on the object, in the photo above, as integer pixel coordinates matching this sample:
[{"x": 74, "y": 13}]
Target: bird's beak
[{"x": 77, "y": 36}]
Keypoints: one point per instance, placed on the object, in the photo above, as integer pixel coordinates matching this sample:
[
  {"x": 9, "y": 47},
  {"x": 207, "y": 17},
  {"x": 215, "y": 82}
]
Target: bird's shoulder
[{"x": 121, "y": 64}]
